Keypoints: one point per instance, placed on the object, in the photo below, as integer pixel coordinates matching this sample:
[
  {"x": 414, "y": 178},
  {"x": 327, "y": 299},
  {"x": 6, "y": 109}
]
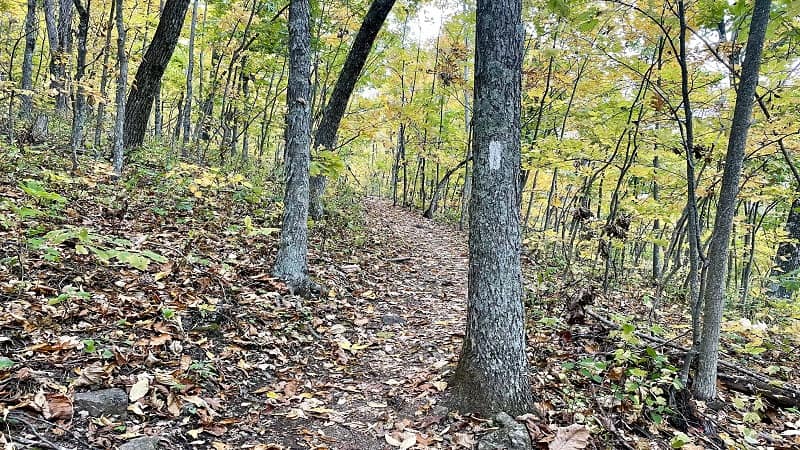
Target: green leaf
[
  {"x": 154, "y": 256},
  {"x": 6, "y": 363},
  {"x": 89, "y": 346}
]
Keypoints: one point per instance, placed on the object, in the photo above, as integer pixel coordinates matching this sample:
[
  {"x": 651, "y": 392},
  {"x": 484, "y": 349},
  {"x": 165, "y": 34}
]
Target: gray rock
[
  {"x": 391, "y": 319},
  {"x": 108, "y": 402},
  {"x": 511, "y": 435},
  {"x": 142, "y": 443}
]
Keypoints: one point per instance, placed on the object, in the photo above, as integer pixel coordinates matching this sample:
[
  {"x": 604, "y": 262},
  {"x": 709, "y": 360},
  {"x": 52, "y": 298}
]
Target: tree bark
[
  {"x": 325, "y": 135},
  {"x": 59, "y": 37},
  {"x": 31, "y": 27},
  {"x": 79, "y": 102},
  {"x": 101, "y": 108},
  {"x": 492, "y": 372},
  {"x": 186, "y": 117},
  {"x": 787, "y": 260},
  {"x": 705, "y": 384},
  {"x": 291, "y": 263},
  {"x": 148, "y": 76},
  {"x": 122, "y": 82}
]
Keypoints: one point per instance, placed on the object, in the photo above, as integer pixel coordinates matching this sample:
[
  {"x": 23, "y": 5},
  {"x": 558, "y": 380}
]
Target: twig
[
  {"x": 42, "y": 441},
  {"x": 784, "y": 386},
  {"x": 400, "y": 259}
]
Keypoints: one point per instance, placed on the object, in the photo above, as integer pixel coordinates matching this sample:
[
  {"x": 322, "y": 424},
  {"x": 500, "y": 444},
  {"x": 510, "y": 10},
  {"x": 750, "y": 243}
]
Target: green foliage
[
  {"x": 6, "y": 363},
  {"x": 85, "y": 242},
  {"x": 329, "y": 164}
]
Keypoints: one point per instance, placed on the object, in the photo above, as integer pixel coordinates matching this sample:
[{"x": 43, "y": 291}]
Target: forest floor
[{"x": 160, "y": 286}]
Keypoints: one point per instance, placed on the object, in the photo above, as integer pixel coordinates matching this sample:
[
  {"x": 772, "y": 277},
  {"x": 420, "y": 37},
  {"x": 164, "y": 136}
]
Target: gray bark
[
  {"x": 101, "y": 108},
  {"x": 122, "y": 82},
  {"x": 492, "y": 372},
  {"x": 186, "y": 117},
  {"x": 58, "y": 34},
  {"x": 325, "y": 135},
  {"x": 787, "y": 260},
  {"x": 31, "y": 27},
  {"x": 152, "y": 67},
  {"x": 79, "y": 104},
  {"x": 291, "y": 264},
  {"x": 705, "y": 384}
]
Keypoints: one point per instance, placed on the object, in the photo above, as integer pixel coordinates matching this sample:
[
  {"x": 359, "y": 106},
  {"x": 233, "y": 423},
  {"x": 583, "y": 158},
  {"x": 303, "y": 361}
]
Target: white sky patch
[{"x": 426, "y": 23}]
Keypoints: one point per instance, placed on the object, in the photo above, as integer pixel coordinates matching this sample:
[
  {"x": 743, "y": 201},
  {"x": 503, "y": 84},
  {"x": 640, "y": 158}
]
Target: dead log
[{"x": 780, "y": 393}]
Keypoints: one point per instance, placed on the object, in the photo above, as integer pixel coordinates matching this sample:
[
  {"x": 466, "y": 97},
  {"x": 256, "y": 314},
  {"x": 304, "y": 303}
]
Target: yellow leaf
[{"x": 195, "y": 433}]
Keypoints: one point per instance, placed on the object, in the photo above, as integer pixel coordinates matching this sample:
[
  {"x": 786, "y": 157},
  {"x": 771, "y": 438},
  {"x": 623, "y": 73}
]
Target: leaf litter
[{"x": 162, "y": 287}]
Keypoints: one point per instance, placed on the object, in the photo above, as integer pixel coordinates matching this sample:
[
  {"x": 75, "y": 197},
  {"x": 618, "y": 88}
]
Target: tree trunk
[
  {"x": 79, "y": 103},
  {"x": 787, "y": 260},
  {"x": 31, "y": 27},
  {"x": 58, "y": 33},
  {"x": 492, "y": 372},
  {"x": 705, "y": 385},
  {"x": 428, "y": 214},
  {"x": 148, "y": 76},
  {"x": 291, "y": 263},
  {"x": 122, "y": 83},
  {"x": 186, "y": 118},
  {"x": 325, "y": 135},
  {"x": 101, "y": 108}
]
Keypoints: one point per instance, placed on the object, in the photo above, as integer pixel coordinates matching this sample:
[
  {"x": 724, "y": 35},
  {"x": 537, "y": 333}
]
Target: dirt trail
[{"x": 413, "y": 274}]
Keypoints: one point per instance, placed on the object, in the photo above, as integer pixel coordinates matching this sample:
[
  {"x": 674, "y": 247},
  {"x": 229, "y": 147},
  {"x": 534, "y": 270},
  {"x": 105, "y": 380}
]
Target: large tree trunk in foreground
[
  {"x": 148, "y": 76},
  {"x": 291, "y": 264},
  {"x": 492, "y": 372},
  {"x": 705, "y": 383},
  {"x": 325, "y": 135}
]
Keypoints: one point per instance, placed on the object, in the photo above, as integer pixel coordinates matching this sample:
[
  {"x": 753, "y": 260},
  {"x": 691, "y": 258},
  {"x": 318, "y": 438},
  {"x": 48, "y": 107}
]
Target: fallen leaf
[
  {"x": 573, "y": 437},
  {"x": 195, "y": 433},
  {"x": 140, "y": 388},
  {"x": 463, "y": 440},
  {"x": 57, "y": 406}
]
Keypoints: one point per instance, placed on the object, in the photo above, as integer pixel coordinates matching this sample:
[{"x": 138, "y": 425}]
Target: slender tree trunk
[
  {"x": 79, "y": 105},
  {"x": 186, "y": 119},
  {"x": 291, "y": 264},
  {"x": 122, "y": 84},
  {"x": 492, "y": 371},
  {"x": 325, "y": 135},
  {"x": 245, "y": 87},
  {"x": 101, "y": 108},
  {"x": 31, "y": 27},
  {"x": 429, "y": 212},
  {"x": 787, "y": 259},
  {"x": 705, "y": 385},
  {"x": 58, "y": 33},
  {"x": 148, "y": 76},
  {"x": 694, "y": 280}
]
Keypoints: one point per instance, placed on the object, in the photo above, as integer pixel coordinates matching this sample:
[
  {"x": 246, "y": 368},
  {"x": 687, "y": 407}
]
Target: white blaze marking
[{"x": 495, "y": 152}]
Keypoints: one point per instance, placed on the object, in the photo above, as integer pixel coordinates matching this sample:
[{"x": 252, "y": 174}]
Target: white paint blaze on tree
[
  {"x": 492, "y": 372},
  {"x": 291, "y": 264}
]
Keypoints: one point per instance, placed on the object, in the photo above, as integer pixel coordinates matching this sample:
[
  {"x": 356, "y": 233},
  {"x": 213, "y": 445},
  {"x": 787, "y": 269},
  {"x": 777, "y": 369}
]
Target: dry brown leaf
[
  {"x": 140, "y": 388},
  {"x": 463, "y": 440},
  {"x": 160, "y": 340},
  {"x": 89, "y": 376},
  {"x": 401, "y": 440},
  {"x": 573, "y": 437},
  {"x": 57, "y": 406}
]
